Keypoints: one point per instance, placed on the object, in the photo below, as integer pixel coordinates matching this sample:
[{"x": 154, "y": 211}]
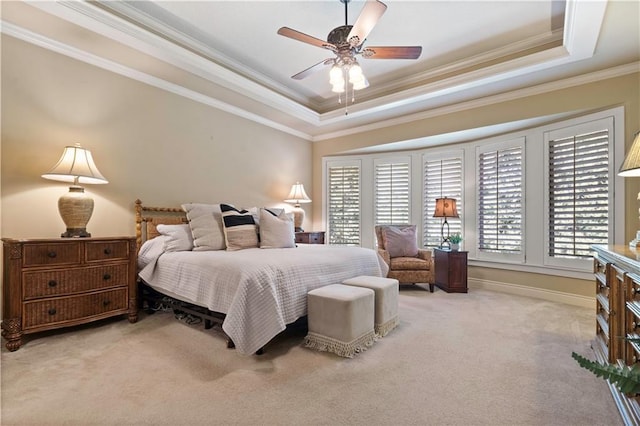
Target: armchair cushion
[{"x": 400, "y": 242}]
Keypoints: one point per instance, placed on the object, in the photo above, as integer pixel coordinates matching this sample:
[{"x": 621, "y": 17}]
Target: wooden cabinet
[
  {"x": 310, "y": 237},
  {"x": 54, "y": 283},
  {"x": 451, "y": 270},
  {"x": 617, "y": 279}
]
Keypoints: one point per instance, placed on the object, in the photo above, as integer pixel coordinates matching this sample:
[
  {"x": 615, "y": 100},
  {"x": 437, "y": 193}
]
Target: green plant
[
  {"x": 455, "y": 238},
  {"x": 626, "y": 378}
]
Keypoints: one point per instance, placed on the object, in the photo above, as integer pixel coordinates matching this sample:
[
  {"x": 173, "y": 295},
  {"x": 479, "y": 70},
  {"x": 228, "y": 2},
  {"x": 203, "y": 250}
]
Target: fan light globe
[
  {"x": 355, "y": 73},
  {"x": 335, "y": 75}
]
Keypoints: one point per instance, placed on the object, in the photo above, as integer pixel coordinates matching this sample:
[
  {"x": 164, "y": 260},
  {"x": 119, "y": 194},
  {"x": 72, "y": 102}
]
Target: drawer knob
[
  {"x": 52, "y": 283},
  {"x": 106, "y": 277},
  {"x": 52, "y": 311},
  {"x": 107, "y": 251},
  {"x": 52, "y": 254},
  {"x": 106, "y": 302}
]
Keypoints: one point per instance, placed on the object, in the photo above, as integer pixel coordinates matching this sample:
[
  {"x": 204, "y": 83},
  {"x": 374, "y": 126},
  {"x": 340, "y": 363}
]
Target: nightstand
[
  {"x": 310, "y": 237},
  {"x": 451, "y": 270},
  {"x": 55, "y": 283}
]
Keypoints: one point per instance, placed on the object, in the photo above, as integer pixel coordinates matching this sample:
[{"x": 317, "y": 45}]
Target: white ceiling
[{"x": 227, "y": 53}]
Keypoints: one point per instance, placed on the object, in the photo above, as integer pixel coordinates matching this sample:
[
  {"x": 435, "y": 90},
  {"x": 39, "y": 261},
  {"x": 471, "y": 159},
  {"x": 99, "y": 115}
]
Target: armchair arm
[
  {"x": 426, "y": 255},
  {"x": 385, "y": 256}
]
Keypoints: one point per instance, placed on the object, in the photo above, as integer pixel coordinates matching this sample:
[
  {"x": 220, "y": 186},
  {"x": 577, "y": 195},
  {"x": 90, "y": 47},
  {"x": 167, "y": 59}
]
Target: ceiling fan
[{"x": 346, "y": 42}]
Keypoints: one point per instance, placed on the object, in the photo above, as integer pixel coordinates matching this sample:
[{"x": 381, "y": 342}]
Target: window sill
[{"x": 544, "y": 270}]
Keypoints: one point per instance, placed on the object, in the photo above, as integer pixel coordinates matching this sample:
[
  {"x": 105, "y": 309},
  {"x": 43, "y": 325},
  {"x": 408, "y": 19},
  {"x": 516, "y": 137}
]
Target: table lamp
[
  {"x": 76, "y": 165},
  {"x": 631, "y": 168},
  {"x": 297, "y": 196},
  {"x": 445, "y": 207}
]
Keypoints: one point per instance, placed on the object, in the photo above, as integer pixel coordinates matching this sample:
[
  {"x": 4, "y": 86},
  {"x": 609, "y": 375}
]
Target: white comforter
[{"x": 259, "y": 290}]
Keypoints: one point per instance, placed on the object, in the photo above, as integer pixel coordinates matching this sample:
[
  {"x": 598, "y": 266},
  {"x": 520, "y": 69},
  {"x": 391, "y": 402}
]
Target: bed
[{"x": 253, "y": 292}]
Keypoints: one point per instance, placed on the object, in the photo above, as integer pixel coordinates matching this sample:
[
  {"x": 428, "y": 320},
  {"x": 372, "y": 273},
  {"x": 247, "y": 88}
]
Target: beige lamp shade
[
  {"x": 298, "y": 195},
  {"x": 76, "y": 165},
  {"x": 631, "y": 165}
]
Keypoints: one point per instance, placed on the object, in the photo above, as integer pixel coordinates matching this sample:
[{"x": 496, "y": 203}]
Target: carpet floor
[{"x": 482, "y": 358}]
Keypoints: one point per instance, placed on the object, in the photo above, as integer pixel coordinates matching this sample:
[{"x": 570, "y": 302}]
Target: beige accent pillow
[
  {"x": 276, "y": 231},
  {"x": 178, "y": 237},
  {"x": 400, "y": 242},
  {"x": 205, "y": 221}
]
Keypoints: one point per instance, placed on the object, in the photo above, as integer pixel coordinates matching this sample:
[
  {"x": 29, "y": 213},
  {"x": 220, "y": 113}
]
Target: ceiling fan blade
[
  {"x": 312, "y": 69},
  {"x": 305, "y": 38},
  {"x": 371, "y": 13},
  {"x": 392, "y": 52}
]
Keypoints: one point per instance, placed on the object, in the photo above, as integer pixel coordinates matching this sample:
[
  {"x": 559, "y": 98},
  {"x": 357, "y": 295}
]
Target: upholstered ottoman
[
  {"x": 340, "y": 319},
  {"x": 386, "y": 300}
]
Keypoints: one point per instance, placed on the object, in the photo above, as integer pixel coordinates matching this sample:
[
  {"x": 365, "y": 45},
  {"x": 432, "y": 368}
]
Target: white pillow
[
  {"x": 276, "y": 231},
  {"x": 178, "y": 237},
  {"x": 205, "y": 221}
]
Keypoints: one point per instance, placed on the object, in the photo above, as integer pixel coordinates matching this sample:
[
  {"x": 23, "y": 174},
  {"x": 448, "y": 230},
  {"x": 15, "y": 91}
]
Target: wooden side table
[
  {"x": 310, "y": 237},
  {"x": 451, "y": 270}
]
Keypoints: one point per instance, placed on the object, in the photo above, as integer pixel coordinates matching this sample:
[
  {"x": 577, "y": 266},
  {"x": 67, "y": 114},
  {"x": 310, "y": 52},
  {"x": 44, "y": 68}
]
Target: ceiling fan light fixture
[
  {"x": 361, "y": 84},
  {"x": 337, "y": 88},
  {"x": 335, "y": 76},
  {"x": 355, "y": 73}
]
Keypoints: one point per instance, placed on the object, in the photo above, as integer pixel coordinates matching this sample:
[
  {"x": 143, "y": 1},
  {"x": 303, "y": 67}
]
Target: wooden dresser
[
  {"x": 54, "y": 283},
  {"x": 617, "y": 279}
]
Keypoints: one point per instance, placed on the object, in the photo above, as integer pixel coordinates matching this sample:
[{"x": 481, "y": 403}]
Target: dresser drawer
[
  {"x": 62, "y": 309},
  {"x": 310, "y": 237},
  {"x": 106, "y": 250},
  {"x": 50, "y": 254},
  {"x": 69, "y": 281}
]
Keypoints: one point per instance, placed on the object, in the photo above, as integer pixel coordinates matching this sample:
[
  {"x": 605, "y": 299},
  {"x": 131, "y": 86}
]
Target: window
[
  {"x": 343, "y": 207},
  {"x": 500, "y": 200},
  {"x": 392, "y": 191},
  {"x": 578, "y": 187},
  {"x": 442, "y": 178}
]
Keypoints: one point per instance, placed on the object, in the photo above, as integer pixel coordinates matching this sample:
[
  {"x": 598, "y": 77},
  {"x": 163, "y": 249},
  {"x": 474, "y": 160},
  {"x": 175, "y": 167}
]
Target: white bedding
[{"x": 259, "y": 290}]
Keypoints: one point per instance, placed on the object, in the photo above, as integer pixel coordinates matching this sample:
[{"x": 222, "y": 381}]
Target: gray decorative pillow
[
  {"x": 205, "y": 221},
  {"x": 400, "y": 242},
  {"x": 178, "y": 237},
  {"x": 239, "y": 227},
  {"x": 276, "y": 230}
]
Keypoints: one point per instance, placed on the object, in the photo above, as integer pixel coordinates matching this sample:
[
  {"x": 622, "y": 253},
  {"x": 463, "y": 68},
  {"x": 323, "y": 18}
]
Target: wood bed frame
[{"x": 147, "y": 220}]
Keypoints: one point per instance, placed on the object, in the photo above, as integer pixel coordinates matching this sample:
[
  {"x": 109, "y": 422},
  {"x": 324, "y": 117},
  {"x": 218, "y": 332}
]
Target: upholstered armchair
[{"x": 407, "y": 263}]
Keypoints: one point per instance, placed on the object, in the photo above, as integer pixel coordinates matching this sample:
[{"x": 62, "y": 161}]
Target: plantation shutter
[
  {"x": 578, "y": 194},
  {"x": 442, "y": 178},
  {"x": 344, "y": 205},
  {"x": 392, "y": 192},
  {"x": 500, "y": 209}
]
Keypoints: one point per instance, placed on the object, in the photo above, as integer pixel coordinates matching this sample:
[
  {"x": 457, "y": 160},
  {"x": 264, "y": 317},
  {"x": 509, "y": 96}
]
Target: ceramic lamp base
[
  {"x": 75, "y": 208},
  {"x": 298, "y": 218}
]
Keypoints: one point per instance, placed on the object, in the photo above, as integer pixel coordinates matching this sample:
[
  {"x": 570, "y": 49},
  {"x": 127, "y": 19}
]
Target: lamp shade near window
[
  {"x": 445, "y": 207},
  {"x": 297, "y": 196},
  {"x": 631, "y": 168},
  {"x": 76, "y": 166}
]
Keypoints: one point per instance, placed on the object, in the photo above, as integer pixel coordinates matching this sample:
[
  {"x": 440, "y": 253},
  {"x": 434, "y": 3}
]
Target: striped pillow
[{"x": 240, "y": 230}]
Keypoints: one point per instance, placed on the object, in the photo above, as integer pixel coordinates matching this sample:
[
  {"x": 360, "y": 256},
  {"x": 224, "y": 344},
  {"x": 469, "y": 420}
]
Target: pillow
[
  {"x": 400, "y": 242},
  {"x": 205, "y": 221},
  {"x": 240, "y": 230},
  {"x": 276, "y": 230},
  {"x": 178, "y": 237}
]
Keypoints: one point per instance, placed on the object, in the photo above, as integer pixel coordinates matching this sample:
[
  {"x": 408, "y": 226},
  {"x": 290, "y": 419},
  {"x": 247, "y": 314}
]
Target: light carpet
[{"x": 482, "y": 358}]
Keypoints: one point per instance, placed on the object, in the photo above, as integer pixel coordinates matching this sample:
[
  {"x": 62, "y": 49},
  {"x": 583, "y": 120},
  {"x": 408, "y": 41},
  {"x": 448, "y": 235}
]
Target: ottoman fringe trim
[
  {"x": 344, "y": 349},
  {"x": 384, "y": 329}
]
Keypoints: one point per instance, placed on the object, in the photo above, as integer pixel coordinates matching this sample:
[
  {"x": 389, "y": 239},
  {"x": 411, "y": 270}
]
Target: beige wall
[
  {"x": 149, "y": 144},
  {"x": 620, "y": 91}
]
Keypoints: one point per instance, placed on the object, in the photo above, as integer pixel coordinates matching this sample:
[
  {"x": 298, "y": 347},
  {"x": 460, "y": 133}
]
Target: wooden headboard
[{"x": 148, "y": 218}]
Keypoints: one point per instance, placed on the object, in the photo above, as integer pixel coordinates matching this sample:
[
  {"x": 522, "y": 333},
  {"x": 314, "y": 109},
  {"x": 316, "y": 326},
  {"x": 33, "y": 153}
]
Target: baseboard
[{"x": 522, "y": 290}]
